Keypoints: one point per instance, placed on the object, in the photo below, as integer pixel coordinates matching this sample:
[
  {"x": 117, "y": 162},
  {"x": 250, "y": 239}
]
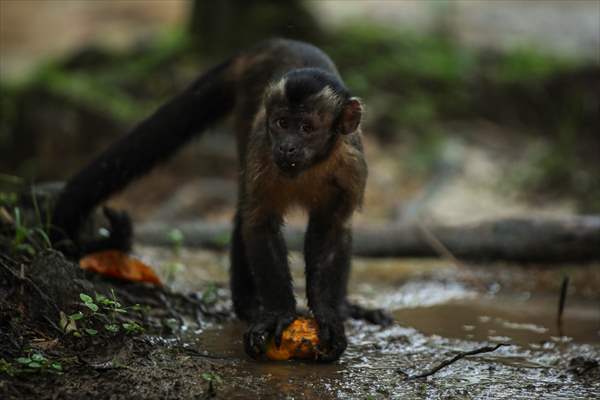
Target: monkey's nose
[{"x": 287, "y": 151}]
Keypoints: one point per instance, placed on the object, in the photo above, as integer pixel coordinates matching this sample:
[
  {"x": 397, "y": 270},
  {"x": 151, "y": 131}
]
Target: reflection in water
[
  {"x": 488, "y": 318},
  {"x": 437, "y": 315}
]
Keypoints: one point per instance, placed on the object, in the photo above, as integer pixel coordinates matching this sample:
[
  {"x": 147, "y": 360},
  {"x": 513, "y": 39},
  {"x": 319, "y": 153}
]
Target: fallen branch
[
  {"x": 454, "y": 359},
  {"x": 575, "y": 238}
]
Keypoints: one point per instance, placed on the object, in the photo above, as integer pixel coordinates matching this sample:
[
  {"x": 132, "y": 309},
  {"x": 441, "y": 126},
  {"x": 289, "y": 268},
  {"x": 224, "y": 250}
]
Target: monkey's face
[
  {"x": 299, "y": 138},
  {"x": 307, "y": 110}
]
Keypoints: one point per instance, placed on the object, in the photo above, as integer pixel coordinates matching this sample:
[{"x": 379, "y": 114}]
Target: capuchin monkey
[{"x": 299, "y": 144}]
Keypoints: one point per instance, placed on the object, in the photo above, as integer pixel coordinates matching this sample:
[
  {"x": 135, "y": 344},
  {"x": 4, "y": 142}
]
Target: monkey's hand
[
  {"x": 332, "y": 337},
  {"x": 120, "y": 234},
  {"x": 270, "y": 324}
]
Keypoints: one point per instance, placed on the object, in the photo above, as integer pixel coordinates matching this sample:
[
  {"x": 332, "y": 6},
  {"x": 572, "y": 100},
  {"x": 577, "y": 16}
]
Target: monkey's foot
[
  {"x": 332, "y": 338},
  {"x": 262, "y": 329},
  {"x": 375, "y": 316}
]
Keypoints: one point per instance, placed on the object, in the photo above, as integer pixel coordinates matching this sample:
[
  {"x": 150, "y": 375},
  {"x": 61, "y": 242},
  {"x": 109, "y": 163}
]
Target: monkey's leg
[
  {"x": 327, "y": 253},
  {"x": 375, "y": 316},
  {"x": 267, "y": 258},
  {"x": 243, "y": 290}
]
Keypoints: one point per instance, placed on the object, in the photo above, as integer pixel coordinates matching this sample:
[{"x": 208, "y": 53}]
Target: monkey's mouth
[{"x": 289, "y": 168}]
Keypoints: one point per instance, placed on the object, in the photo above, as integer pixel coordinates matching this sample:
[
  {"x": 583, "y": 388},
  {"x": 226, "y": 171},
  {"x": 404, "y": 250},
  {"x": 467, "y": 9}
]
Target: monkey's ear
[{"x": 350, "y": 116}]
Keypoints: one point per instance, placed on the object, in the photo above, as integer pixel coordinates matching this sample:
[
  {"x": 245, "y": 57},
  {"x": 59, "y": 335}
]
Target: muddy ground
[{"x": 440, "y": 310}]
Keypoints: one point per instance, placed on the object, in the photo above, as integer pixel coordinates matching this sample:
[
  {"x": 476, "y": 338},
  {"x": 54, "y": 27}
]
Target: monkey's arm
[
  {"x": 268, "y": 263},
  {"x": 327, "y": 249}
]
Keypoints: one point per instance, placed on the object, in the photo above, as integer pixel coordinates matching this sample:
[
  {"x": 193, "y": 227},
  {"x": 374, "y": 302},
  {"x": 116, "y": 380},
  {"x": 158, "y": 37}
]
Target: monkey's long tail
[{"x": 154, "y": 140}]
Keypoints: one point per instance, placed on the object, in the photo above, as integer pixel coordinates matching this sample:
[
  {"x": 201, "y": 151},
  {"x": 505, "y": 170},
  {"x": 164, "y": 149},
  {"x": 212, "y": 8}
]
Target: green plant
[
  {"x": 222, "y": 239},
  {"x": 132, "y": 327},
  {"x": 8, "y": 199},
  {"x": 210, "y": 294},
  {"x": 7, "y": 368},
  {"x": 172, "y": 269},
  {"x": 21, "y": 231},
  {"x": 102, "y": 315},
  {"x": 526, "y": 65},
  {"x": 26, "y": 239},
  {"x": 213, "y": 380},
  {"x": 211, "y": 377},
  {"x": 37, "y": 362},
  {"x": 175, "y": 237}
]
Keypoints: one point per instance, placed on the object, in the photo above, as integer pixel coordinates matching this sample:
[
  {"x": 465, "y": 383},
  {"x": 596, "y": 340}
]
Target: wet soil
[{"x": 440, "y": 310}]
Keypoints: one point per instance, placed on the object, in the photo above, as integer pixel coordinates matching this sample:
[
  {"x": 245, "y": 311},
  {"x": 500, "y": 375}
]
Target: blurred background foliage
[{"x": 420, "y": 89}]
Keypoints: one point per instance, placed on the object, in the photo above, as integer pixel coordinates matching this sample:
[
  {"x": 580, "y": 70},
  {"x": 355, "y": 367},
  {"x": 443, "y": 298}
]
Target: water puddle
[
  {"x": 505, "y": 319},
  {"x": 438, "y": 313}
]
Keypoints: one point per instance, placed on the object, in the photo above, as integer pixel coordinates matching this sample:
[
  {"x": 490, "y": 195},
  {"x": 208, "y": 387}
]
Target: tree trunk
[{"x": 219, "y": 28}]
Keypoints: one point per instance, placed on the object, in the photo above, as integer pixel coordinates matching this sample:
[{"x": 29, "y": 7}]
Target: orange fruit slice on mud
[{"x": 299, "y": 341}]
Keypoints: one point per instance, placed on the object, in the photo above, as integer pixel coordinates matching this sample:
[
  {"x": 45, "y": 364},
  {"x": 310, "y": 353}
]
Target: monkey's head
[{"x": 306, "y": 112}]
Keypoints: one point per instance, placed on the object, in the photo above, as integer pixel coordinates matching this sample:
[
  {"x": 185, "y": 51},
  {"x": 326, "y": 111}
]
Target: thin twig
[
  {"x": 196, "y": 353},
  {"x": 53, "y": 325},
  {"x": 22, "y": 288},
  {"x": 32, "y": 284},
  {"x": 437, "y": 245},
  {"x": 459, "y": 356},
  {"x": 5, "y": 216},
  {"x": 561, "y": 303},
  {"x": 444, "y": 252},
  {"x": 22, "y": 278}
]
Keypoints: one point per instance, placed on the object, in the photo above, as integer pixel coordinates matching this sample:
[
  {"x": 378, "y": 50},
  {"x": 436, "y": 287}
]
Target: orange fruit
[{"x": 299, "y": 340}]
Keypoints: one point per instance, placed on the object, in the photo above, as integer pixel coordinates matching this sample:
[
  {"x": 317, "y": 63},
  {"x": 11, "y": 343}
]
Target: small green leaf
[
  {"x": 132, "y": 327},
  {"x": 91, "y": 332},
  {"x": 26, "y": 247},
  {"x": 175, "y": 236},
  {"x": 56, "y": 366},
  {"x": 112, "y": 327},
  {"x": 91, "y": 306},
  {"x": 210, "y": 295},
  {"x": 211, "y": 377},
  {"x": 76, "y": 317},
  {"x": 100, "y": 299},
  {"x": 38, "y": 357},
  {"x": 23, "y": 360},
  {"x": 76, "y": 334},
  {"x": 34, "y": 364},
  {"x": 120, "y": 310},
  {"x": 85, "y": 298}
]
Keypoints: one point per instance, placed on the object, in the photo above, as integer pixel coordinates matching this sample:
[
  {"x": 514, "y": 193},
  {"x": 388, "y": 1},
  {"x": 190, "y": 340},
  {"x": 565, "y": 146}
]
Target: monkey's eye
[
  {"x": 306, "y": 128},
  {"x": 282, "y": 123}
]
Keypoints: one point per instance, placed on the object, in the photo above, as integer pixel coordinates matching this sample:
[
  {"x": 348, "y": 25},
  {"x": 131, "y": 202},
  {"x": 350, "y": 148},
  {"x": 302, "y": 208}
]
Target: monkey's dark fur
[{"x": 299, "y": 144}]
